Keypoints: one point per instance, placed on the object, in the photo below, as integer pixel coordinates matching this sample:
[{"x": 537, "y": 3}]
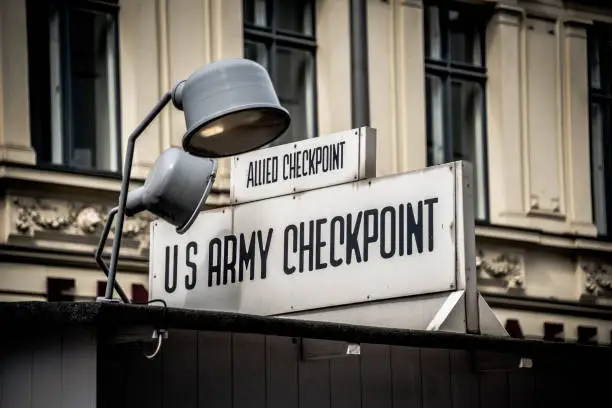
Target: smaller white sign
[{"x": 305, "y": 165}]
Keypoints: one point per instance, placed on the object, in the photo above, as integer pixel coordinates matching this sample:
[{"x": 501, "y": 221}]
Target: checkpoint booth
[{"x": 320, "y": 285}]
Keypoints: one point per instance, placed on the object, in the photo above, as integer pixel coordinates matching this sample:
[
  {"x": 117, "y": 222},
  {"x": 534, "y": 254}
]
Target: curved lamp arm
[{"x": 127, "y": 171}]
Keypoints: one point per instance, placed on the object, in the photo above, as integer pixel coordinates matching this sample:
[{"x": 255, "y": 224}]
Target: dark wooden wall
[
  {"x": 48, "y": 369},
  {"x": 212, "y": 369}
]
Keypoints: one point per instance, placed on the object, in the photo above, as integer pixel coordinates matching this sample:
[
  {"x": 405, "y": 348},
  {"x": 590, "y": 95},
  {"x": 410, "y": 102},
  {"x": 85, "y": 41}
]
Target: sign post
[{"x": 395, "y": 251}]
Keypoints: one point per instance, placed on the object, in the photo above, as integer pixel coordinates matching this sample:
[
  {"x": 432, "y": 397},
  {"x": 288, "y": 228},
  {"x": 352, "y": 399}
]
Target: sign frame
[{"x": 460, "y": 308}]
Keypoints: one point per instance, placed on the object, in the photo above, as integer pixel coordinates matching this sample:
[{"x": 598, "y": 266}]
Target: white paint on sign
[
  {"x": 380, "y": 239},
  {"x": 305, "y": 165}
]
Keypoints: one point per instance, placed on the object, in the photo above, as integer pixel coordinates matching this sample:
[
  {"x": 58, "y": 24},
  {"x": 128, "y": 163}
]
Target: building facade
[{"x": 522, "y": 89}]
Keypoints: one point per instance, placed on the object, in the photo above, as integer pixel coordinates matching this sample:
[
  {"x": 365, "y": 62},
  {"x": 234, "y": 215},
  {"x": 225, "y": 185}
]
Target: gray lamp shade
[
  {"x": 230, "y": 107},
  {"x": 175, "y": 189}
]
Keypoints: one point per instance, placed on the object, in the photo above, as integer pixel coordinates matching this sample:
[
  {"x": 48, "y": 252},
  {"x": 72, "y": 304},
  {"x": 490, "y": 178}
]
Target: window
[
  {"x": 600, "y": 79},
  {"x": 280, "y": 35},
  {"x": 455, "y": 77},
  {"x": 74, "y": 98}
]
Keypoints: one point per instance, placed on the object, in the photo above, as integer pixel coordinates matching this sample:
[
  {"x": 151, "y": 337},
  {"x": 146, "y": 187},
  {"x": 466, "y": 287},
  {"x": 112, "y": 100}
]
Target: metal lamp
[
  {"x": 230, "y": 108},
  {"x": 176, "y": 188}
]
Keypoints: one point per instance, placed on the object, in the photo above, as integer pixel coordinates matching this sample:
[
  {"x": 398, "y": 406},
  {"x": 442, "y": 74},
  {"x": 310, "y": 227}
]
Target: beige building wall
[{"x": 540, "y": 243}]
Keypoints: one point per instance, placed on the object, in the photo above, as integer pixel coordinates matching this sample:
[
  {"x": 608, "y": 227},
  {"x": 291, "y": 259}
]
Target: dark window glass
[
  {"x": 465, "y": 38},
  {"x": 258, "y": 52},
  {"x": 280, "y": 36},
  {"x": 294, "y": 87},
  {"x": 256, "y": 13},
  {"x": 295, "y": 16},
  {"x": 600, "y": 79},
  {"x": 73, "y": 62},
  {"x": 455, "y": 90}
]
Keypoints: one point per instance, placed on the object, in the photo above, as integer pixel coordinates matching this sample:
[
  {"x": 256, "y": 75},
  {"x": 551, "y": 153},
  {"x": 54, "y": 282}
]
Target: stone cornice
[
  {"x": 539, "y": 239},
  {"x": 23, "y": 179}
]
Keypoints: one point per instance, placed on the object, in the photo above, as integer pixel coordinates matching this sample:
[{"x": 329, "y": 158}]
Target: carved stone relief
[
  {"x": 32, "y": 216},
  {"x": 499, "y": 268},
  {"x": 597, "y": 279}
]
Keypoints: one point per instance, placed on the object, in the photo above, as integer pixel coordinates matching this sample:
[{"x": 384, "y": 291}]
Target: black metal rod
[
  {"x": 125, "y": 182},
  {"x": 360, "y": 94},
  {"x": 100, "y": 250}
]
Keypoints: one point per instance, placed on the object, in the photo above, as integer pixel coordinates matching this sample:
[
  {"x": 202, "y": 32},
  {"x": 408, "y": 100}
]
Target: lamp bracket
[{"x": 177, "y": 94}]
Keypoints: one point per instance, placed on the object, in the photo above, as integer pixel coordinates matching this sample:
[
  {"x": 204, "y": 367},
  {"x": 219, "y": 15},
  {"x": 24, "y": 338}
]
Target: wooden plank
[
  {"x": 16, "y": 375},
  {"x": 249, "y": 370},
  {"x": 179, "y": 356},
  {"x": 144, "y": 378},
  {"x": 521, "y": 391},
  {"x": 548, "y": 387},
  {"x": 79, "y": 368},
  {"x": 561, "y": 384},
  {"x": 4, "y": 347},
  {"x": 282, "y": 372},
  {"x": 113, "y": 375},
  {"x": 436, "y": 385},
  {"x": 214, "y": 369},
  {"x": 47, "y": 372},
  {"x": 314, "y": 384},
  {"x": 464, "y": 380},
  {"x": 494, "y": 389},
  {"x": 586, "y": 389},
  {"x": 376, "y": 389},
  {"x": 406, "y": 376},
  {"x": 345, "y": 382},
  {"x": 3, "y": 350}
]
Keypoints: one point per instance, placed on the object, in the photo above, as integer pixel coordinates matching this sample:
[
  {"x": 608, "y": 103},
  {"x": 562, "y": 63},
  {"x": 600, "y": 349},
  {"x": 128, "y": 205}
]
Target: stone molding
[{"x": 51, "y": 219}]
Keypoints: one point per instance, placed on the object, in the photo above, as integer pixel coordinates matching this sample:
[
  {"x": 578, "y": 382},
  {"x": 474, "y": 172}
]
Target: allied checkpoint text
[{"x": 296, "y": 164}]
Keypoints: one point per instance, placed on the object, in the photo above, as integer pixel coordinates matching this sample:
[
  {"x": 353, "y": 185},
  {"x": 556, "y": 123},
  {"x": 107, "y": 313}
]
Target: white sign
[
  {"x": 369, "y": 240},
  {"x": 305, "y": 165}
]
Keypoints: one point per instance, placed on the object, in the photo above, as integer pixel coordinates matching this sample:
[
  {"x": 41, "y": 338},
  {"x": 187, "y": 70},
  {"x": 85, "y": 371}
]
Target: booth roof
[{"x": 34, "y": 316}]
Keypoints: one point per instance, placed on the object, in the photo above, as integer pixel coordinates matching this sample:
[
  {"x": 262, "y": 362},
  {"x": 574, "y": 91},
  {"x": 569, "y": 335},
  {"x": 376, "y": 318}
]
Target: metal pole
[
  {"x": 360, "y": 98},
  {"x": 127, "y": 170},
  {"x": 109, "y": 221}
]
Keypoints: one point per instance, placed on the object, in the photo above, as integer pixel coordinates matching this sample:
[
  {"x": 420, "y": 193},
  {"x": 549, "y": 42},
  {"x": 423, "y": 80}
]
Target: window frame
[
  {"x": 449, "y": 71},
  {"x": 600, "y": 97},
  {"x": 273, "y": 37},
  {"x": 44, "y": 139}
]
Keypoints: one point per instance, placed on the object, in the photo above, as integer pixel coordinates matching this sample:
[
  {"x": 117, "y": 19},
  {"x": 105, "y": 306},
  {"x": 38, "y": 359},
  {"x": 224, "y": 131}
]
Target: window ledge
[
  {"x": 543, "y": 239},
  {"x": 546, "y": 222},
  {"x": 63, "y": 258},
  {"x": 60, "y": 177},
  {"x": 24, "y": 177},
  {"x": 547, "y": 305}
]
